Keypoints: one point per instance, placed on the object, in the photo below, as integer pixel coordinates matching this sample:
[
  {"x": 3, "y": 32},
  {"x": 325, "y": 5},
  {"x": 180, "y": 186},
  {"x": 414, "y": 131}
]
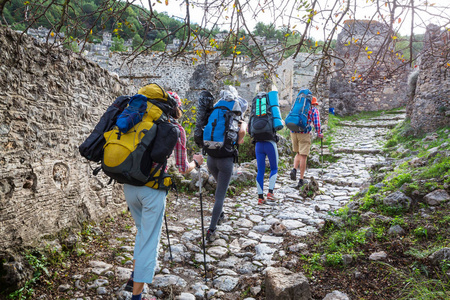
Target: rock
[
  {"x": 15, "y": 272},
  {"x": 123, "y": 274},
  {"x": 169, "y": 282},
  {"x": 347, "y": 259},
  {"x": 439, "y": 256},
  {"x": 226, "y": 283},
  {"x": 336, "y": 295},
  {"x": 102, "y": 291},
  {"x": 71, "y": 241},
  {"x": 437, "y": 197},
  {"x": 217, "y": 252},
  {"x": 297, "y": 247},
  {"x": 396, "y": 230},
  {"x": 185, "y": 296},
  {"x": 255, "y": 290},
  {"x": 99, "y": 267},
  {"x": 64, "y": 288},
  {"x": 378, "y": 256},
  {"x": 397, "y": 200},
  {"x": 282, "y": 284}
]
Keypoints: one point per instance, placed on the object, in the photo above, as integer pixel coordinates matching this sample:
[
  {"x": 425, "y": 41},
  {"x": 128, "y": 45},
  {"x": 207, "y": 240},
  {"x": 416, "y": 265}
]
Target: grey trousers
[{"x": 221, "y": 169}]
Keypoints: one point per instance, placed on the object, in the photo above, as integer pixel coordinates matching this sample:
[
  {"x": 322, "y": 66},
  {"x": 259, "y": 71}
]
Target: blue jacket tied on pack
[{"x": 133, "y": 113}]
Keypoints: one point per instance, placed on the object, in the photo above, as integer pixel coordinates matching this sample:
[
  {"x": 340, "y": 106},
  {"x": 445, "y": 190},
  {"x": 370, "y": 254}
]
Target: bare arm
[
  {"x": 196, "y": 158},
  {"x": 242, "y": 132}
]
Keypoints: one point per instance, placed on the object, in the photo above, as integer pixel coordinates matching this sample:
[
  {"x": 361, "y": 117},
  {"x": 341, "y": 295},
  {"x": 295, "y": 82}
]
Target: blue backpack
[
  {"x": 220, "y": 134},
  {"x": 297, "y": 119}
]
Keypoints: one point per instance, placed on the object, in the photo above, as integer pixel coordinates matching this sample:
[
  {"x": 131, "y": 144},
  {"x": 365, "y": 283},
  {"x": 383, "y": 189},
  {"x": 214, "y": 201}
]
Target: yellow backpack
[{"x": 132, "y": 157}]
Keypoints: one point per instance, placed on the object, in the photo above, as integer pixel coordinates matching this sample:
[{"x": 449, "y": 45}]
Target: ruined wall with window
[{"x": 369, "y": 74}]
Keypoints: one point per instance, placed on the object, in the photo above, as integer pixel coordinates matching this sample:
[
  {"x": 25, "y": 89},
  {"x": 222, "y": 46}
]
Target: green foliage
[
  {"x": 398, "y": 221},
  {"x": 344, "y": 241},
  {"x": 437, "y": 170},
  {"x": 421, "y": 232},
  {"x": 334, "y": 259},
  {"x": 117, "y": 16},
  {"x": 247, "y": 150},
  {"x": 313, "y": 263},
  {"x": 72, "y": 46},
  {"x": 38, "y": 263},
  {"x": 118, "y": 44},
  {"x": 232, "y": 82},
  {"x": 137, "y": 41},
  {"x": 398, "y": 181},
  {"x": 159, "y": 46},
  {"x": 367, "y": 202}
]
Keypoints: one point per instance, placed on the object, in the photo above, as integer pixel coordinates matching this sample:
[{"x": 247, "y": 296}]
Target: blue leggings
[{"x": 269, "y": 149}]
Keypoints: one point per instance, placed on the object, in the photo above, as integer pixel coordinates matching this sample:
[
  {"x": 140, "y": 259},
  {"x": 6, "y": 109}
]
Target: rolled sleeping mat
[{"x": 275, "y": 108}]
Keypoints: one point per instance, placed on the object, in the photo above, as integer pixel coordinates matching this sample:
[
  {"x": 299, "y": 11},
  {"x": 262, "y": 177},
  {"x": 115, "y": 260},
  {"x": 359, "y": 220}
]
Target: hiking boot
[
  {"x": 301, "y": 182},
  {"x": 293, "y": 174},
  {"x": 221, "y": 218},
  {"x": 271, "y": 197},
  {"x": 261, "y": 201},
  {"x": 129, "y": 286},
  {"x": 210, "y": 235}
]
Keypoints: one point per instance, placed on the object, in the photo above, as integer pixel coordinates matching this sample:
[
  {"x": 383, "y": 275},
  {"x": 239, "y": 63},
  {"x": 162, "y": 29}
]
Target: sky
[{"x": 436, "y": 11}]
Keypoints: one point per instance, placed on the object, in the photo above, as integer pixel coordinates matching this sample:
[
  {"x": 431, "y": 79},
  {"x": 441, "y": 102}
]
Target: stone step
[
  {"x": 359, "y": 151},
  {"x": 395, "y": 112},
  {"x": 387, "y": 118},
  {"x": 381, "y": 125}
]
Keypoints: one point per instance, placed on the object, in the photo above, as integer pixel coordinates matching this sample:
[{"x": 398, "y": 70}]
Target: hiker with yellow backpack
[{"x": 137, "y": 157}]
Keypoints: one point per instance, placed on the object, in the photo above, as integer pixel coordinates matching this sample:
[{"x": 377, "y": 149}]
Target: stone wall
[
  {"x": 50, "y": 100},
  {"x": 384, "y": 85},
  {"x": 430, "y": 108}
]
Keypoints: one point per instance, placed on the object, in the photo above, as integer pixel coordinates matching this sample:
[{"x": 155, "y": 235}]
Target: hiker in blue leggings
[
  {"x": 265, "y": 149},
  {"x": 263, "y": 132}
]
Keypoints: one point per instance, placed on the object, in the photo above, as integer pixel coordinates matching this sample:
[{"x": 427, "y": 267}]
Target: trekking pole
[
  {"x": 201, "y": 214},
  {"x": 321, "y": 154},
  {"x": 168, "y": 239}
]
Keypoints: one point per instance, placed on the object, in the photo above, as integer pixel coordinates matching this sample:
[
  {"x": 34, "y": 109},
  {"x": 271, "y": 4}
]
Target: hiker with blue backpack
[
  {"x": 222, "y": 133},
  {"x": 265, "y": 120},
  {"x": 303, "y": 113}
]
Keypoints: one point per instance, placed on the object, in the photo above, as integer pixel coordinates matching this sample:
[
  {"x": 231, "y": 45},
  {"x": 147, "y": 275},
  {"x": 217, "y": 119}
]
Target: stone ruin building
[
  {"x": 368, "y": 74},
  {"x": 430, "y": 106}
]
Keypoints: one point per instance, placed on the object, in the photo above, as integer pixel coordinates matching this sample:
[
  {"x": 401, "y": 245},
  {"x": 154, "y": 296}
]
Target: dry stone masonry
[
  {"x": 384, "y": 86},
  {"x": 430, "y": 108},
  {"x": 50, "y": 100}
]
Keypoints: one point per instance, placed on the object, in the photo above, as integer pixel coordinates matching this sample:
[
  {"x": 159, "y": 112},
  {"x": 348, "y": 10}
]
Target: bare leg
[
  {"x": 138, "y": 287},
  {"x": 297, "y": 161},
  {"x": 302, "y": 159}
]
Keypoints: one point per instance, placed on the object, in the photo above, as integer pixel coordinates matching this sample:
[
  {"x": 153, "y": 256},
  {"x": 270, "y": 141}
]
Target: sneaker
[
  {"x": 221, "y": 218},
  {"x": 129, "y": 286},
  {"x": 293, "y": 174},
  {"x": 210, "y": 235},
  {"x": 261, "y": 201},
  {"x": 271, "y": 197},
  {"x": 301, "y": 183}
]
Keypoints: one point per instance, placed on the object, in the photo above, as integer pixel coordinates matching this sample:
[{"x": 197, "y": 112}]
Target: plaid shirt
[
  {"x": 314, "y": 117},
  {"x": 180, "y": 151}
]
